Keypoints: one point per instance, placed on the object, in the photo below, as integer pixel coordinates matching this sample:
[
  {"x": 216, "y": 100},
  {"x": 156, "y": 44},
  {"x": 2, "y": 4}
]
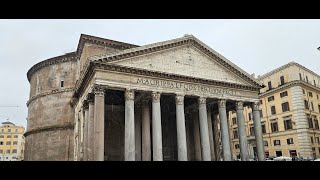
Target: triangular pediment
[{"x": 185, "y": 56}]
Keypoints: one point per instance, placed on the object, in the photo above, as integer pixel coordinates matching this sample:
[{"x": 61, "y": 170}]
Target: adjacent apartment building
[
  {"x": 289, "y": 110},
  {"x": 11, "y": 142}
]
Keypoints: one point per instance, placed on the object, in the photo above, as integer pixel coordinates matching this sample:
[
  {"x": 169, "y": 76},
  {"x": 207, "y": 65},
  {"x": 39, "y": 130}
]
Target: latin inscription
[{"x": 186, "y": 86}]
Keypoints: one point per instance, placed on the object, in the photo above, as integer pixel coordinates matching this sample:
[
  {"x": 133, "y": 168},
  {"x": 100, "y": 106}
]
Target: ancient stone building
[{"x": 111, "y": 100}]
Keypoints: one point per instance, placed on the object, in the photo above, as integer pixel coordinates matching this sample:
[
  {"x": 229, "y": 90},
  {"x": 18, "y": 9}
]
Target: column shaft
[
  {"x": 99, "y": 124},
  {"x": 129, "y": 138},
  {"x": 86, "y": 134},
  {"x": 146, "y": 135},
  {"x": 181, "y": 129},
  {"x": 242, "y": 132},
  {"x": 196, "y": 135},
  {"x": 156, "y": 128},
  {"x": 204, "y": 133},
  {"x": 224, "y": 130},
  {"x": 91, "y": 131},
  {"x": 258, "y": 131}
]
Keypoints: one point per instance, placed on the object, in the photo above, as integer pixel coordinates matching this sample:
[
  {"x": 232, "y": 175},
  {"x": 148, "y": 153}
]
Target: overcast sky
[{"x": 257, "y": 46}]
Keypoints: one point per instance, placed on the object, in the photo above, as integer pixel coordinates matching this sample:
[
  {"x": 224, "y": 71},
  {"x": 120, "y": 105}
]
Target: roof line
[{"x": 285, "y": 66}]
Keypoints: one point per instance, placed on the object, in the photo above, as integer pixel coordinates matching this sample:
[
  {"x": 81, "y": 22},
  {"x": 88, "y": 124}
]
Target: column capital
[
  {"x": 99, "y": 90},
  {"x": 129, "y": 94},
  {"x": 179, "y": 99},
  {"x": 202, "y": 100},
  {"x": 85, "y": 105},
  {"x": 255, "y": 106},
  {"x": 239, "y": 105},
  {"x": 221, "y": 103},
  {"x": 156, "y": 96}
]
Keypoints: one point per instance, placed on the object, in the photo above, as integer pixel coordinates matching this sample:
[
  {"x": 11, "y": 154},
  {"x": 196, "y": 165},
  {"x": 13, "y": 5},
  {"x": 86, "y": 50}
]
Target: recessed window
[
  {"x": 285, "y": 107},
  {"x": 300, "y": 76},
  {"x": 16, "y": 130},
  {"x": 261, "y": 115},
  {"x": 8, "y": 143},
  {"x": 1, "y": 142},
  {"x": 1, "y": 136},
  {"x": 263, "y": 126},
  {"x": 2, "y": 130},
  {"x": 251, "y": 131},
  {"x": 15, "y": 142},
  {"x": 311, "y": 103},
  {"x": 234, "y": 120},
  {"x": 317, "y": 140},
  {"x": 316, "y": 123},
  {"x": 269, "y": 85},
  {"x": 290, "y": 141},
  {"x": 265, "y": 143},
  {"x": 271, "y": 98},
  {"x": 281, "y": 80},
  {"x": 9, "y": 136},
  {"x": 9, "y": 130},
  {"x": 236, "y": 146},
  {"x": 235, "y": 134},
  {"x": 310, "y": 122},
  {"x": 311, "y": 138},
  {"x": 260, "y": 101},
  {"x": 283, "y": 94},
  {"x": 273, "y": 110},
  {"x": 310, "y": 94},
  {"x": 15, "y": 136},
  {"x": 8, "y": 151},
  {"x": 274, "y": 127},
  {"x": 277, "y": 142},
  {"x": 314, "y": 82},
  {"x": 303, "y": 92},
  {"x": 307, "y": 79},
  {"x": 61, "y": 83},
  {"x": 250, "y": 116},
  {"x": 287, "y": 124},
  {"x": 306, "y": 104},
  {"x": 14, "y": 151}
]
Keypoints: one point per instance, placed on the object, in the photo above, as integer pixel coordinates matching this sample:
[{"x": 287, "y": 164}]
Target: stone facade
[{"x": 126, "y": 102}]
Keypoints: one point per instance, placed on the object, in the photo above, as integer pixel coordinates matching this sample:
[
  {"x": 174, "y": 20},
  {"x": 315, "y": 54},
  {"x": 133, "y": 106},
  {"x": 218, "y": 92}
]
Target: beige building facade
[
  {"x": 11, "y": 142},
  {"x": 116, "y": 101},
  {"x": 289, "y": 109}
]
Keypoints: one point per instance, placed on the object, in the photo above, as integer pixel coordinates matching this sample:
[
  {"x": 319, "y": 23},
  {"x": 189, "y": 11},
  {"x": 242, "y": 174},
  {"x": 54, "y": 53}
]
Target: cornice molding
[
  {"x": 55, "y": 91},
  {"x": 93, "y": 65},
  {"x": 286, "y": 66},
  {"x": 49, "y": 128},
  {"x": 290, "y": 84},
  {"x": 190, "y": 40},
  {"x": 101, "y": 42},
  {"x": 55, "y": 60}
]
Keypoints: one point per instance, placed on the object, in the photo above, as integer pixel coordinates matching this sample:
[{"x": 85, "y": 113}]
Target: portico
[{"x": 161, "y": 111}]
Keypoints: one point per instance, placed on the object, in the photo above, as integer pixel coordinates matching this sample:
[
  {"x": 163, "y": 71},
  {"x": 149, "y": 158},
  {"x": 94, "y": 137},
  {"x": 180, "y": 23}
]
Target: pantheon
[{"x": 115, "y": 101}]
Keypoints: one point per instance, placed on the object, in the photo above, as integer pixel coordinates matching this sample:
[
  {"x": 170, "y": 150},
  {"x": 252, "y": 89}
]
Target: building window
[
  {"x": 2, "y": 130},
  {"x": 236, "y": 146},
  {"x": 271, "y": 98},
  {"x": 317, "y": 140},
  {"x": 14, "y": 151},
  {"x": 251, "y": 131},
  {"x": 307, "y": 79},
  {"x": 250, "y": 116},
  {"x": 319, "y": 108},
  {"x": 1, "y": 142},
  {"x": 311, "y": 138},
  {"x": 303, "y": 92},
  {"x": 8, "y": 143},
  {"x": 283, "y": 94},
  {"x": 16, "y": 130},
  {"x": 316, "y": 123},
  {"x": 269, "y": 85},
  {"x": 314, "y": 82},
  {"x": 273, "y": 109},
  {"x": 260, "y": 101},
  {"x": 310, "y": 122},
  {"x": 8, "y": 151},
  {"x": 281, "y": 80},
  {"x": 62, "y": 83},
  {"x": 310, "y": 94},
  {"x": 261, "y": 115},
  {"x": 234, "y": 120},
  {"x": 235, "y": 134},
  {"x": 9, "y": 130},
  {"x": 290, "y": 141},
  {"x": 274, "y": 127},
  {"x": 265, "y": 143},
  {"x": 285, "y": 107},
  {"x": 317, "y": 96},
  {"x": 293, "y": 153},
  {"x": 287, "y": 124},
  {"x": 15, "y": 136},
  {"x": 263, "y": 126},
  {"x": 15, "y": 142},
  {"x": 312, "y": 106},
  {"x": 1, "y": 136},
  {"x": 276, "y": 142},
  {"x": 306, "y": 104},
  {"x": 300, "y": 76},
  {"x": 9, "y": 136}
]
